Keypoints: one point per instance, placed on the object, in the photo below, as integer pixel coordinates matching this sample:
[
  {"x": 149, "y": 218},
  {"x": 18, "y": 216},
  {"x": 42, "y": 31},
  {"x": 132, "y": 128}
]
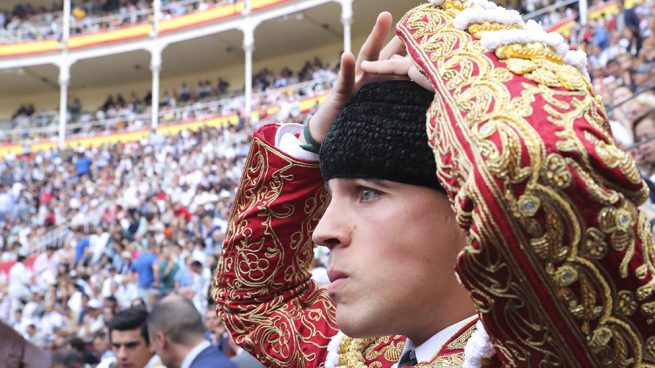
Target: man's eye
[{"x": 368, "y": 194}]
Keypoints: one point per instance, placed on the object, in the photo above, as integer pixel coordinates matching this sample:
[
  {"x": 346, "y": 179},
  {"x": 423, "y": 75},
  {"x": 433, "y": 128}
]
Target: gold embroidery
[
  {"x": 355, "y": 353},
  {"x": 529, "y": 51},
  {"x": 461, "y": 340},
  {"x": 627, "y": 304},
  {"x": 259, "y": 318},
  {"x": 384, "y": 347},
  {"x": 476, "y": 28},
  {"x": 650, "y": 345}
]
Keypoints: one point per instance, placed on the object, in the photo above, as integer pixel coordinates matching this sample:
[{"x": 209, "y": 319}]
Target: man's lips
[{"x": 338, "y": 280}]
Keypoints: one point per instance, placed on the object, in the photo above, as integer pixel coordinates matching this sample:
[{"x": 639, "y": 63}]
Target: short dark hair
[
  {"x": 77, "y": 344},
  {"x": 178, "y": 319},
  {"x": 67, "y": 358},
  {"x": 130, "y": 319}
]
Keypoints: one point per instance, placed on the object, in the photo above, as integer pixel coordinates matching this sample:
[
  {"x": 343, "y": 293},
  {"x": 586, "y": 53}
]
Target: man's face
[
  {"x": 214, "y": 324},
  {"x": 130, "y": 348},
  {"x": 641, "y": 79},
  {"x": 613, "y": 69},
  {"x": 160, "y": 345},
  {"x": 211, "y": 319},
  {"x": 101, "y": 344},
  {"x": 633, "y": 110},
  {"x": 393, "y": 250},
  {"x": 644, "y": 133}
]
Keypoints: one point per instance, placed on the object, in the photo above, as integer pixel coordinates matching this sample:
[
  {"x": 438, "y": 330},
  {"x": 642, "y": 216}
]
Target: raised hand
[{"x": 352, "y": 76}]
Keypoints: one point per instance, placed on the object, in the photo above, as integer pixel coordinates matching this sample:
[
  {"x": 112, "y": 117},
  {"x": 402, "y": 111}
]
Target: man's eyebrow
[
  {"x": 126, "y": 343},
  {"x": 378, "y": 182}
]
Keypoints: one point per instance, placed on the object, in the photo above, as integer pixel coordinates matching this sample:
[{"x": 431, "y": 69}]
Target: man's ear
[
  {"x": 157, "y": 338},
  {"x": 161, "y": 339}
]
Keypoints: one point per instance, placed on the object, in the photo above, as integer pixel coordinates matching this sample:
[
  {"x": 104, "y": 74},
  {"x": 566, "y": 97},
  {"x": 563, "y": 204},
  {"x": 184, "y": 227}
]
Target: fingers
[
  {"x": 421, "y": 79},
  {"x": 346, "y": 78},
  {"x": 396, "y": 65},
  {"x": 371, "y": 48},
  {"x": 340, "y": 94},
  {"x": 395, "y": 47},
  {"x": 375, "y": 41}
]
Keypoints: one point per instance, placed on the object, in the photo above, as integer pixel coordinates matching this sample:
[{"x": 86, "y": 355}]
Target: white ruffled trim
[
  {"x": 436, "y": 2},
  {"x": 578, "y": 59},
  {"x": 533, "y": 32},
  {"x": 552, "y": 39},
  {"x": 494, "y": 39},
  {"x": 332, "y": 359},
  {"x": 481, "y": 15},
  {"x": 478, "y": 347}
]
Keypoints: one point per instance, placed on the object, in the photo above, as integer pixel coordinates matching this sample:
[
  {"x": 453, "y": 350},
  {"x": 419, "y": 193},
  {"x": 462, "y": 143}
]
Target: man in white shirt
[
  {"x": 51, "y": 320},
  {"x": 20, "y": 279},
  {"x": 45, "y": 267}
]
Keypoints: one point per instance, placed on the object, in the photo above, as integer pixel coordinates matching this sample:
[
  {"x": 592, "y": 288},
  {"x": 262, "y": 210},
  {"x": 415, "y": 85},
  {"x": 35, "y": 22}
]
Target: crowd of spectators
[
  {"x": 30, "y": 22},
  {"x": 118, "y": 113},
  {"x": 131, "y": 223},
  {"x": 148, "y": 218}
]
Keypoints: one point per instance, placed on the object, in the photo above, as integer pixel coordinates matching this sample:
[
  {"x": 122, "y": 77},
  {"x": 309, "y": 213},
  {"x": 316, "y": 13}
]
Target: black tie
[{"x": 408, "y": 359}]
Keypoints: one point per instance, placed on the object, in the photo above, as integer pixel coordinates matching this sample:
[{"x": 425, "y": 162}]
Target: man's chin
[{"x": 353, "y": 326}]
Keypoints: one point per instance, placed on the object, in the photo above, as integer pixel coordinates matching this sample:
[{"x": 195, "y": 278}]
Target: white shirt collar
[
  {"x": 427, "y": 350},
  {"x": 188, "y": 359}
]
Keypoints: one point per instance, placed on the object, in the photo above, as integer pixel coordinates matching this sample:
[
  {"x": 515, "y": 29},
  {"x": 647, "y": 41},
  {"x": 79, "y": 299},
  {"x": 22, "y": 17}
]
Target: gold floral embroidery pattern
[
  {"x": 270, "y": 305},
  {"x": 370, "y": 352},
  {"x": 542, "y": 65},
  {"x": 384, "y": 349},
  {"x": 514, "y": 191}
]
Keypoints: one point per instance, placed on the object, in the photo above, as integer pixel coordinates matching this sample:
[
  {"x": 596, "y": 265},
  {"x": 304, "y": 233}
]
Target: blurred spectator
[
  {"x": 75, "y": 109},
  {"x": 92, "y": 320},
  {"x": 102, "y": 347},
  {"x": 20, "y": 279},
  {"x": 147, "y": 268},
  {"x": 130, "y": 340},
  {"x": 80, "y": 348},
  {"x": 67, "y": 358},
  {"x": 245, "y": 360},
  {"x": 217, "y": 334},
  {"x": 178, "y": 336},
  {"x": 644, "y": 132}
]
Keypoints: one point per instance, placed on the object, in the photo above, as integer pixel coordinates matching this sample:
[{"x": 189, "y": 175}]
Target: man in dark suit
[{"x": 177, "y": 335}]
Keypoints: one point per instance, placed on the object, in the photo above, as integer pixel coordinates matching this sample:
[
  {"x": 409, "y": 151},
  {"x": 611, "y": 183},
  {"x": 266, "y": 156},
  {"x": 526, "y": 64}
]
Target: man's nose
[
  {"x": 333, "y": 229},
  {"x": 121, "y": 353}
]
